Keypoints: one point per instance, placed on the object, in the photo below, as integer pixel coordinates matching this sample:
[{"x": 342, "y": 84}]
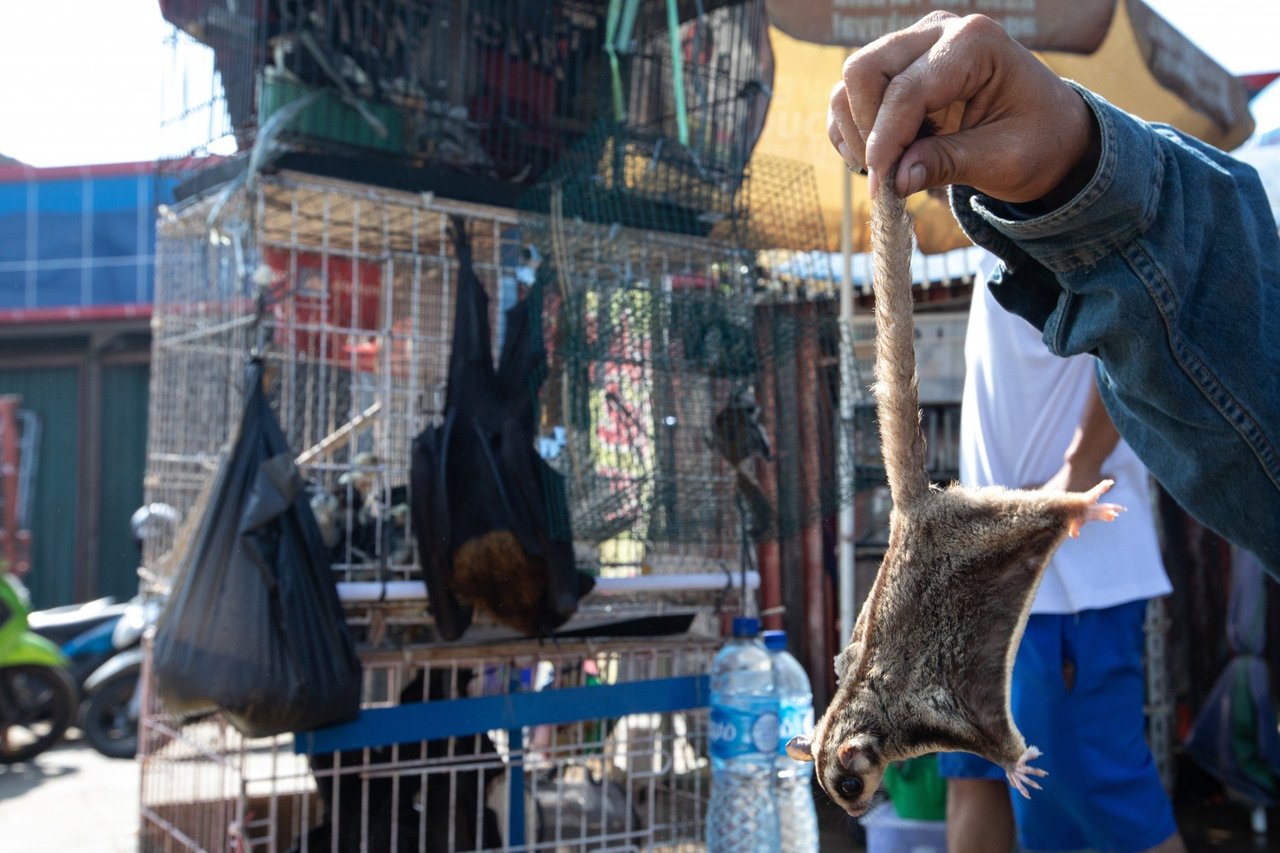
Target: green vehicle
[{"x": 37, "y": 695}]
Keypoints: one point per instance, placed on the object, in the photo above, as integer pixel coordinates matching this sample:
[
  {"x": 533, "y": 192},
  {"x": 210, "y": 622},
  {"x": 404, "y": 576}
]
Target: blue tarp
[{"x": 78, "y": 237}]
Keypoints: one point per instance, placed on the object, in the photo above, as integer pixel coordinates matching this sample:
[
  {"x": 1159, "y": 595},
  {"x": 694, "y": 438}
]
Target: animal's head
[
  {"x": 848, "y": 760},
  {"x": 848, "y": 765}
]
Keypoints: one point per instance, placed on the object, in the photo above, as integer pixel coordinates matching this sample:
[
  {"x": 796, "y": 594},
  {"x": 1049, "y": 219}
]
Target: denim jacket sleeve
[{"x": 1166, "y": 266}]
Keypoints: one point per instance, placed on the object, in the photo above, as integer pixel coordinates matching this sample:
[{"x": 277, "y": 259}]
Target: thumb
[{"x": 934, "y": 161}]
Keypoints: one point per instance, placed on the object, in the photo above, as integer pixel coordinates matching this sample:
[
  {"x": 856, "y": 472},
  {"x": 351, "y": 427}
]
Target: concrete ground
[
  {"x": 70, "y": 799},
  {"x": 73, "y": 800}
]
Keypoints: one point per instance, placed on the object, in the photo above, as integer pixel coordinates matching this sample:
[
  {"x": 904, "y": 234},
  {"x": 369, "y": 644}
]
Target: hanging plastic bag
[{"x": 253, "y": 626}]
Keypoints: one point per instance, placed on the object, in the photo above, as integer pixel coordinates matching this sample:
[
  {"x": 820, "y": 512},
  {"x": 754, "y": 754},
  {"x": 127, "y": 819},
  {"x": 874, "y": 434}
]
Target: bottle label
[
  {"x": 795, "y": 719},
  {"x": 743, "y": 732}
]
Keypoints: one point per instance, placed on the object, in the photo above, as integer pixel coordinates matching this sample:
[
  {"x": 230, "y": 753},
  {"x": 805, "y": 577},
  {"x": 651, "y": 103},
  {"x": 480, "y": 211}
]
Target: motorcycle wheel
[
  {"x": 108, "y": 724},
  {"x": 37, "y": 704}
]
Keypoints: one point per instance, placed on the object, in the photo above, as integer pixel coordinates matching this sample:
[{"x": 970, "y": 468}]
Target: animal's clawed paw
[
  {"x": 1020, "y": 774},
  {"x": 1095, "y": 511}
]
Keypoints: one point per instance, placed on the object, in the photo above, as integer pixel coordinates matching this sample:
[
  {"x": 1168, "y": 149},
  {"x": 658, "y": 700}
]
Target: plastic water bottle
[
  {"x": 742, "y": 817},
  {"x": 793, "y": 786}
]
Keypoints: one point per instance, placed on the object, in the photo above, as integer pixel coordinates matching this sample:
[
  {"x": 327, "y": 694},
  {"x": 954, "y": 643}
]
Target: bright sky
[{"x": 81, "y": 80}]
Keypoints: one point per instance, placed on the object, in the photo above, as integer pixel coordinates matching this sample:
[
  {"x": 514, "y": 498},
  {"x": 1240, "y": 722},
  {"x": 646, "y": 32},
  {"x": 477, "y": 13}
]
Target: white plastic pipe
[{"x": 362, "y": 592}]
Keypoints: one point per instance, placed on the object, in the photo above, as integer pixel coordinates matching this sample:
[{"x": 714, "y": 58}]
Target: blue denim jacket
[{"x": 1166, "y": 267}]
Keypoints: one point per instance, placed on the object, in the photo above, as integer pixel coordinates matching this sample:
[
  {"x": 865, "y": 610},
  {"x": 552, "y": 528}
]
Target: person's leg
[
  {"x": 1091, "y": 726},
  {"x": 979, "y": 816}
]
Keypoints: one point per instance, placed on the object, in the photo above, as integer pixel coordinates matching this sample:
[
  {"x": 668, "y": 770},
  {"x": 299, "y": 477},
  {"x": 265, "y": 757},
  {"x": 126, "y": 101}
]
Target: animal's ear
[
  {"x": 800, "y": 749},
  {"x": 847, "y": 753},
  {"x": 842, "y": 664}
]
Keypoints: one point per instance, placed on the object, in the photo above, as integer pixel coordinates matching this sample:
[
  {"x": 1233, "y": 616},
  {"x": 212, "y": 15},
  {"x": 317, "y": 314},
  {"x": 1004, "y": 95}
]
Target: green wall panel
[
  {"x": 54, "y": 394},
  {"x": 123, "y": 461}
]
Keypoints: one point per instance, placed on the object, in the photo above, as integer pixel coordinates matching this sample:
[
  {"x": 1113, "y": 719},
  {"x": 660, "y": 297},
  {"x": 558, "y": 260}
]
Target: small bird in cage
[
  {"x": 737, "y": 434},
  {"x": 736, "y": 431}
]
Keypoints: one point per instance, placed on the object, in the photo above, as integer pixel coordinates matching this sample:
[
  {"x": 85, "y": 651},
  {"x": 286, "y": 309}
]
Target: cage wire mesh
[
  {"x": 695, "y": 381},
  {"x": 620, "y": 782},
  {"x": 347, "y": 293},
  {"x": 493, "y": 89}
]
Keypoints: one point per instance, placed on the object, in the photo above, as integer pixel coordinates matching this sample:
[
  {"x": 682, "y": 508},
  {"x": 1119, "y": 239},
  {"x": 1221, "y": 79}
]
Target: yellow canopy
[{"x": 1121, "y": 70}]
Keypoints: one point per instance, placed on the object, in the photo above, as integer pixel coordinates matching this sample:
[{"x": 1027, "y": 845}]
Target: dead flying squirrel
[{"x": 929, "y": 664}]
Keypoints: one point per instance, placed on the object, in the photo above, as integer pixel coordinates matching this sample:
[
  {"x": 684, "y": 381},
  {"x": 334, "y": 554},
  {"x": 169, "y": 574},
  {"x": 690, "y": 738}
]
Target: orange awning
[{"x": 1142, "y": 65}]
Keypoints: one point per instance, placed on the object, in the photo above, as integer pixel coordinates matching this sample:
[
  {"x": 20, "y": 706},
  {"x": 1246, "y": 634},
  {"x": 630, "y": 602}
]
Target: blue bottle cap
[
  {"x": 746, "y": 626},
  {"x": 775, "y": 641}
]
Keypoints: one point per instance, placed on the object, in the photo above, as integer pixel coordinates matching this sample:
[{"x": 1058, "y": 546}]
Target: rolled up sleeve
[{"x": 1166, "y": 266}]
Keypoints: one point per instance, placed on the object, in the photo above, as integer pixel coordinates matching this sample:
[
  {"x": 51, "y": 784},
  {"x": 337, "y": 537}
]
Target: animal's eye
[{"x": 851, "y": 787}]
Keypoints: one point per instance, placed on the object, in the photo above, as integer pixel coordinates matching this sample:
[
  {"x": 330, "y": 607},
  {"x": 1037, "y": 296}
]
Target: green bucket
[{"x": 916, "y": 789}]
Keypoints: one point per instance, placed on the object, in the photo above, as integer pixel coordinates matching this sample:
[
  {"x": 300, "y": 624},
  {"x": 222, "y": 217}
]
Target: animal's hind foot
[
  {"x": 1095, "y": 511},
  {"x": 1020, "y": 775}
]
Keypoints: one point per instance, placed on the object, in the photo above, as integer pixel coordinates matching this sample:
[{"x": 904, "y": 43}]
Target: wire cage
[
  {"x": 347, "y": 293},
  {"x": 695, "y": 387},
  {"x": 613, "y": 759},
  {"x": 491, "y": 89}
]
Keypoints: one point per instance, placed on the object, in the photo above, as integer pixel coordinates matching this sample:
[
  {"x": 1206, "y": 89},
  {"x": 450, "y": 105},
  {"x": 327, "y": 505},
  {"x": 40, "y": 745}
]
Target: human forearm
[{"x": 1094, "y": 439}]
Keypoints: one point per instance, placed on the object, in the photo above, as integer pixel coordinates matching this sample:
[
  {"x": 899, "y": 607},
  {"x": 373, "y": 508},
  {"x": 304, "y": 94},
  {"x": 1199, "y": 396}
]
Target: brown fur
[
  {"x": 929, "y": 664},
  {"x": 495, "y": 575}
]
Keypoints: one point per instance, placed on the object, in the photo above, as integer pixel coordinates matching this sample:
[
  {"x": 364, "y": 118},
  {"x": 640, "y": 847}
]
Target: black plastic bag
[{"x": 253, "y": 625}]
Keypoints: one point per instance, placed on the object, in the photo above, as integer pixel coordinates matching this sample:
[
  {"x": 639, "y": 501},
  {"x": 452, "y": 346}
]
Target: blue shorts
[{"x": 1102, "y": 791}]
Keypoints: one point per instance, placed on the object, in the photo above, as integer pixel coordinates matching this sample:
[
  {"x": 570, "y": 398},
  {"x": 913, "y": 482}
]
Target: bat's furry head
[{"x": 849, "y": 764}]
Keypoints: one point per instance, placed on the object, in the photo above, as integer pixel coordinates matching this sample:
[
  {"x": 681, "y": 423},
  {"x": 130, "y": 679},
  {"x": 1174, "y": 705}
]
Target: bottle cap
[
  {"x": 775, "y": 641},
  {"x": 746, "y": 626}
]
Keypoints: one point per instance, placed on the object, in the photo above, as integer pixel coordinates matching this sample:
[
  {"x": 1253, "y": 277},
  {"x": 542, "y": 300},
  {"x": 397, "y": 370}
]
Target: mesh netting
[{"x": 691, "y": 396}]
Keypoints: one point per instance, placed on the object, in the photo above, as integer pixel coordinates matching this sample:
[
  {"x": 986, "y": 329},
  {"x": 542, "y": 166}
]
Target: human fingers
[
  {"x": 841, "y": 130},
  {"x": 868, "y": 72},
  {"x": 1017, "y": 151},
  {"x": 1020, "y": 126},
  {"x": 961, "y": 64}
]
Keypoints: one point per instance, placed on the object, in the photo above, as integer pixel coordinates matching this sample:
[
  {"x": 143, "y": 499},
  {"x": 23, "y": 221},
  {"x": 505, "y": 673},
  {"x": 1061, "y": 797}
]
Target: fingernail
[
  {"x": 915, "y": 178},
  {"x": 873, "y": 181},
  {"x": 847, "y": 156}
]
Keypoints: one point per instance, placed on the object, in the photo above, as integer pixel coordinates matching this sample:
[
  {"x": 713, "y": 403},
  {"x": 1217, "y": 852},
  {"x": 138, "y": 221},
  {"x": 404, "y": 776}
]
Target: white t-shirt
[{"x": 1020, "y": 409}]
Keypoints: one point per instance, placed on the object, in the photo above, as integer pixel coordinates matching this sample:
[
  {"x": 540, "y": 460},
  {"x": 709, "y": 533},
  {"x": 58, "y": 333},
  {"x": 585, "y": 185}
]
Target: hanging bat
[
  {"x": 490, "y": 515},
  {"x": 929, "y": 664}
]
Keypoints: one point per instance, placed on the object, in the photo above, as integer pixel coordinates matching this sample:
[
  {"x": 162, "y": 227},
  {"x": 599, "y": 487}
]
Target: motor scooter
[
  {"x": 112, "y": 703},
  {"x": 112, "y": 692},
  {"x": 82, "y": 631},
  {"x": 38, "y": 697}
]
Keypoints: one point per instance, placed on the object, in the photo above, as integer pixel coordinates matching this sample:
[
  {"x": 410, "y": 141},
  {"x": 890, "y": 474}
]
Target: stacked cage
[
  {"x": 580, "y": 746},
  {"x": 595, "y": 156},
  {"x": 481, "y": 97},
  {"x": 346, "y": 293}
]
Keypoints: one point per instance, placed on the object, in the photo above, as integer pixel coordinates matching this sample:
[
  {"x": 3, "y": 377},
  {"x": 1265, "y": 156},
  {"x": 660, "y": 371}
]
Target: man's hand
[{"x": 1006, "y": 125}]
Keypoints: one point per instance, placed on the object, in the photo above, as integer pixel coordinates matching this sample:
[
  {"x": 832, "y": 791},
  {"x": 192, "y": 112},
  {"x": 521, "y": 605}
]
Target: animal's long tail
[{"x": 896, "y": 387}]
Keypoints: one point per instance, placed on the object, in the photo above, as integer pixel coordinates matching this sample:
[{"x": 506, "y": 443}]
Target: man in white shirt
[{"x": 1029, "y": 418}]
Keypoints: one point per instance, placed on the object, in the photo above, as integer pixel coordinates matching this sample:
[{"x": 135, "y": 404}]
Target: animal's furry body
[
  {"x": 929, "y": 664},
  {"x": 493, "y": 573}
]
